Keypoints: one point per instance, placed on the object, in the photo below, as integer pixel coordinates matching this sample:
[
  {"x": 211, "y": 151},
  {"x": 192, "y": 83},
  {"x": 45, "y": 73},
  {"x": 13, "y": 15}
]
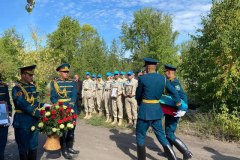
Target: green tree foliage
[
  {"x": 212, "y": 63},
  {"x": 64, "y": 41},
  {"x": 150, "y": 35},
  {"x": 10, "y": 45}
]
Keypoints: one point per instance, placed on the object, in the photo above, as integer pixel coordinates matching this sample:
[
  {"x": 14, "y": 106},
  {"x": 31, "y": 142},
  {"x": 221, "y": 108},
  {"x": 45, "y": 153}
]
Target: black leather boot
[
  {"x": 70, "y": 148},
  {"x": 23, "y": 156},
  {"x": 141, "y": 152},
  {"x": 182, "y": 148},
  {"x": 32, "y": 155},
  {"x": 170, "y": 154},
  {"x": 65, "y": 153},
  {"x": 1, "y": 156}
]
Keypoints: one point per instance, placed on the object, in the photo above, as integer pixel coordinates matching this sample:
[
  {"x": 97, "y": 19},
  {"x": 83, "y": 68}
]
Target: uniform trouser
[
  {"x": 79, "y": 105},
  {"x": 117, "y": 107},
  {"x": 67, "y": 139},
  {"x": 3, "y": 140},
  {"x": 171, "y": 126},
  {"x": 107, "y": 103},
  {"x": 99, "y": 100},
  {"x": 131, "y": 108},
  {"x": 88, "y": 104},
  {"x": 142, "y": 127},
  {"x": 27, "y": 142}
]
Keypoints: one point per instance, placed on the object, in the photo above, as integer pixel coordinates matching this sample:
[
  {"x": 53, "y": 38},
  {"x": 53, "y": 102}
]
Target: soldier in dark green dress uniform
[
  {"x": 26, "y": 114},
  {"x": 4, "y": 96},
  {"x": 64, "y": 90},
  {"x": 172, "y": 121},
  {"x": 149, "y": 91}
]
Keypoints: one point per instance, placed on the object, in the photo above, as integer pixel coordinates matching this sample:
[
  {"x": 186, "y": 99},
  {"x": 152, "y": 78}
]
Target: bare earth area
[{"x": 98, "y": 143}]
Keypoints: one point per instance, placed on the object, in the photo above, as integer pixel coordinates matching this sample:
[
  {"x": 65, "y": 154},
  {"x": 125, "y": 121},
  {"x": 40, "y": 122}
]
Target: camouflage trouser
[
  {"x": 99, "y": 98},
  {"x": 131, "y": 108},
  {"x": 107, "y": 103},
  {"x": 117, "y": 107},
  {"x": 88, "y": 102}
]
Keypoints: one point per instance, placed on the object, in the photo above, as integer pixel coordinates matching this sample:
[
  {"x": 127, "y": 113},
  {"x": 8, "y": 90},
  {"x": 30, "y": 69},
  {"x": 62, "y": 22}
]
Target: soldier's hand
[
  {"x": 10, "y": 122},
  {"x": 179, "y": 113}
]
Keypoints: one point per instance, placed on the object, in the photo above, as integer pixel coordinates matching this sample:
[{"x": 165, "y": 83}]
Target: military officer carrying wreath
[
  {"x": 172, "y": 121},
  {"x": 149, "y": 91},
  {"x": 64, "y": 90},
  {"x": 4, "y": 96},
  {"x": 26, "y": 114}
]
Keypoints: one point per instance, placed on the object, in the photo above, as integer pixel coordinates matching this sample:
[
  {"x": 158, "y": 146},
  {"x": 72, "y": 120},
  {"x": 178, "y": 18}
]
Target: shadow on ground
[
  {"x": 126, "y": 142},
  {"x": 219, "y": 156}
]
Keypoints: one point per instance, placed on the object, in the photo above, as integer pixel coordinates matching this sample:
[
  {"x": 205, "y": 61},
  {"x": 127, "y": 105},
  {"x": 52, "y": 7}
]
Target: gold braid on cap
[
  {"x": 28, "y": 99},
  {"x": 61, "y": 93}
]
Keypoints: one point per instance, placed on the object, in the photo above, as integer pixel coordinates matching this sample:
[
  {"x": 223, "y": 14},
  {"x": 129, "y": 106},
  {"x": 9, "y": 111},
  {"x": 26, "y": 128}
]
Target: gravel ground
[{"x": 98, "y": 143}]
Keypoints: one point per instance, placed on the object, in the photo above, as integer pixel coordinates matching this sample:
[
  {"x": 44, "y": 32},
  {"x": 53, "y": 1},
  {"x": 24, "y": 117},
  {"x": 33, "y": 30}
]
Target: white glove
[
  {"x": 179, "y": 113},
  {"x": 47, "y": 105},
  {"x": 10, "y": 122}
]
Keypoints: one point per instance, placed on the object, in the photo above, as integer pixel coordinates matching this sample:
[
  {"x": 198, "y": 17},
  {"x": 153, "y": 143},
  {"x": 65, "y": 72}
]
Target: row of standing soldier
[{"x": 113, "y": 94}]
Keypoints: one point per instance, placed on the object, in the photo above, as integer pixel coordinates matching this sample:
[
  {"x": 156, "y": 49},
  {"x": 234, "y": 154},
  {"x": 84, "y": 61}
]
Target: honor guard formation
[{"x": 119, "y": 95}]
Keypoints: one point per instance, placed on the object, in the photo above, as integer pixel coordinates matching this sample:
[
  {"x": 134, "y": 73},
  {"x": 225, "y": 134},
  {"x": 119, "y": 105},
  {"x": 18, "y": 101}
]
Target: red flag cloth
[{"x": 168, "y": 109}]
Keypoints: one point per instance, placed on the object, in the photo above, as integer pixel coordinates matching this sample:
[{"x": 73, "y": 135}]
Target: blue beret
[
  {"x": 130, "y": 73},
  {"x": 99, "y": 76},
  {"x": 122, "y": 73},
  {"x": 150, "y": 61},
  {"x": 170, "y": 67},
  {"x": 28, "y": 69},
  {"x": 88, "y": 73},
  {"x": 108, "y": 74},
  {"x": 63, "y": 67},
  {"x": 93, "y": 75},
  {"x": 116, "y": 72}
]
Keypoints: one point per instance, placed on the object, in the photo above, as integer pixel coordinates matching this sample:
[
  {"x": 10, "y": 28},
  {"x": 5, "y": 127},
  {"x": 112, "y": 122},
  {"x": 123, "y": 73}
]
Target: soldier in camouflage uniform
[
  {"x": 107, "y": 98},
  {"x": 99, "y": 94},
  {"x": 87, "y": 93}
]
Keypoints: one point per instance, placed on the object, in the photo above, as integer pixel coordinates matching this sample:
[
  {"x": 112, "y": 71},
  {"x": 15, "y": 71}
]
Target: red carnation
[
  {"x": 74, "y": 123},
  {"x": 47, "y": 108},
  {"x": 68, "y": 110},
  {"x": 61, "y": 109},
  {"x": 59, "y": 121},
  {"x": 65, "y": 119},
  {"x": 54, "y": 112},
  {"x": 69, "y": 118},
  {"x": 42, "y": 112},
  {"x": 74, "y": 116},
  {"x": 44, "y": 119},
  {"x": 60, "y": 103},
  {"x": 53, "y": 116}
]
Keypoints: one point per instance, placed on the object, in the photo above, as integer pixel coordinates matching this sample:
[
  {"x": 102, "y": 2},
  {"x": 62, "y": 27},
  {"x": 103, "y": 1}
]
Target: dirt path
[{"x": 98, "y": 143}]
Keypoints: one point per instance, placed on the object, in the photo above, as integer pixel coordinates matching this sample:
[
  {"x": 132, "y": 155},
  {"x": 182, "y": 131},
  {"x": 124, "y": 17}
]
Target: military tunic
[
  {"x": 26, "y": 115},
  {"x": 149, "y": 91},
  {"x": 4, "y": 96},
  {"x": 171, "y": 121}
]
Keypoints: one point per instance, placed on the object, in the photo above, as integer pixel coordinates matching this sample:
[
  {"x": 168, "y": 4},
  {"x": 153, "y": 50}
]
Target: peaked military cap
[
  {"x": 63, "y": 67},
  {"x": 99, "y": 76},
  {"x": 88, "y": 73},
  {"x": 122, "y": 73},
  {"x": 150, "y": 61},
  {"x": 28, "y": 69},
  {"x": 170, "y": 67},
  {"x": 116, "y": 72}
]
